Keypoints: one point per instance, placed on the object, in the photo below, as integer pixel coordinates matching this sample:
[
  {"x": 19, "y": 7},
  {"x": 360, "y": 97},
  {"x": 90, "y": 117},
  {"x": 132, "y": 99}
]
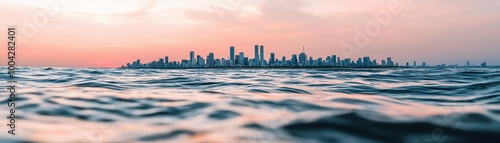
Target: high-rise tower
[
  {"x": 257, "y": 60},
  {"x": 261, "y": 54},
  {"x": 231, "y": 53},
  {"x": 191, "y": 57}
]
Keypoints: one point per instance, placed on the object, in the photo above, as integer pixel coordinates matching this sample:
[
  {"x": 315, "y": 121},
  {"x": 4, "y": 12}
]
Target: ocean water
[{"x": 255, "y": 105}]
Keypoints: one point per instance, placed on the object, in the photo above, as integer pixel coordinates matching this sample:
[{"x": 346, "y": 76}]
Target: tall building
[
  {"x": 241, "y": 58},
  {"x": 161, "y": 63},
  {"x": 271, "y": 59},
  {"x": 245, "y": 61},
  {"x": 389, "y": 62},
  {"x": 327, "y": 61},
  {"x": 201, "y": 62},
  {"x": 294, "y": 59},
  {"x": 207, "y": 61},
  {"x": 261, "y": 53},
  {"x": 366, "y": 61},
  {"x": 468, "y": 63},
  {"x": 198, "y": 60},
  {"x": 153, "y": 64},
  {"x": 414, "y": 63},
  {"x": 223, "y": 62},
  {"x": 338, "y": 61},
  {"x": 210, "y": 60},
  {"x": 318, "y": 61},
  {"x": 191, "y": 57},
  {"x": 231, "y": 53},
  {"x": 302, "y": 57},
  {"x": 166, "y": 62},
  {"x": 138, "y": 65},
  {"x": 311, "y": 61},
  {"x": 334, "y": 60},
  {"x": 237, "y": 60},
  {"x": 257, "y": 55}
]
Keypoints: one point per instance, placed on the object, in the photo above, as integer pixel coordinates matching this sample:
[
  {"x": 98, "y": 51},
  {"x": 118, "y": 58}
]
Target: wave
[{"x": 275, "y": 105}]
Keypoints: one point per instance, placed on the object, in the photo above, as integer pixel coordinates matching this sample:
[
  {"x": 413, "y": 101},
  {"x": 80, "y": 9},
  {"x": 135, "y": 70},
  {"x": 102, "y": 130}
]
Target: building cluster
[
  {"x": 258, "y": 60},
  {"x": 466, "y": 65},
  {"x": 300, "y": 60},
  {"x": 239, "y": 60}
]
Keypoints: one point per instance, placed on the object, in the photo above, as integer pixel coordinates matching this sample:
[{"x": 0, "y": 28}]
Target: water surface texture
[{"x": 255, "y": 105}]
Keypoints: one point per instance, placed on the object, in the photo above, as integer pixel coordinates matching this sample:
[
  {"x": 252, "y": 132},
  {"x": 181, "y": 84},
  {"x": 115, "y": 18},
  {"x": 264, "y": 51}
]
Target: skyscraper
[
  {"x": 347, "y": 61},
  {"x": 161, "y": 63},
  {"x": 283, "y": 59},
  {"x": 294, "y": 59},
  {"x": 468, "y": 63},
  {"x": 318, "y": 61},
  {"x": 241, "y": 58},
  {"x": 237, "y": 61},
  {"x": 271, "y": 60},
  {"x": 261, "y": 54},
  {"x": 245, "y": 61},
  {"x": 166, "y": 62},
  {"x": 257, "y": 55},
  {"x": 334, "y": 60},
  {"x": 211, "y": 60},
  {"x": 302, "y": 57},
  {"x": 231, "y": 53},
  {"x": 366, "y": 61},
  {"x": 389, "y": 61},
  {"x": 311, "y": 61},
  {"x": 338, "y": 61},
  {"x": 198, "y": 61},
  {"x": 191, "y": 55}
]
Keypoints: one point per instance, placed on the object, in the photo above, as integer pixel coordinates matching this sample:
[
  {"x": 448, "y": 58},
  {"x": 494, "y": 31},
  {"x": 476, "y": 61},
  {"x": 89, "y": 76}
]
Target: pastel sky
[{"x": 109, "y": 33}]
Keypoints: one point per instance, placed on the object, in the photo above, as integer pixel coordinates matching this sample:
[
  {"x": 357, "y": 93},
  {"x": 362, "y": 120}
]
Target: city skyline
[{"x": 294, "y": 60}]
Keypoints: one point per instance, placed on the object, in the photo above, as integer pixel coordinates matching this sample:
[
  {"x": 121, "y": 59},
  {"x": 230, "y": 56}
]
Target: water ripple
[{"x": 263, "y": 105}]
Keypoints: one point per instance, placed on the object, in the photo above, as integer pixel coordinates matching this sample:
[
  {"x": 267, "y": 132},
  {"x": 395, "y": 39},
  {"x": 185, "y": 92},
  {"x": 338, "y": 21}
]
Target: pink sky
[{"x": 109, "y": 33}]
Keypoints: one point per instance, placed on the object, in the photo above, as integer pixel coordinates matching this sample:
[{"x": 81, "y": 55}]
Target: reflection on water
[{"x": 295, "y": 105}]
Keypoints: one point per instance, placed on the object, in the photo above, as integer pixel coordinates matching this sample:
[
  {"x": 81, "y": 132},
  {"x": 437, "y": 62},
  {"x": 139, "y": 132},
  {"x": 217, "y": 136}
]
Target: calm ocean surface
[{"x": 255, "y": 105}]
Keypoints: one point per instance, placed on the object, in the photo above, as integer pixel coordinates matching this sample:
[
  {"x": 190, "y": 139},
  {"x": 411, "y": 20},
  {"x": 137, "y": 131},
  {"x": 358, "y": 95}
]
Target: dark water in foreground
[{"x": 303, "y": 105}]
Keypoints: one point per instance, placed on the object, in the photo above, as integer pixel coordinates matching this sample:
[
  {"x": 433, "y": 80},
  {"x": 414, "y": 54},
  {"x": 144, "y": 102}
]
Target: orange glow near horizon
[{"x": 79, "y": 33}]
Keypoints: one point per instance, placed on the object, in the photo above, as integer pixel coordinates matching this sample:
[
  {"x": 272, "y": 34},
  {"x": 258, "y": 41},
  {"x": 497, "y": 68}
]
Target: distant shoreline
[
  {"x": 280, "y": 67},
  {"x": 316, "y": 67}
]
